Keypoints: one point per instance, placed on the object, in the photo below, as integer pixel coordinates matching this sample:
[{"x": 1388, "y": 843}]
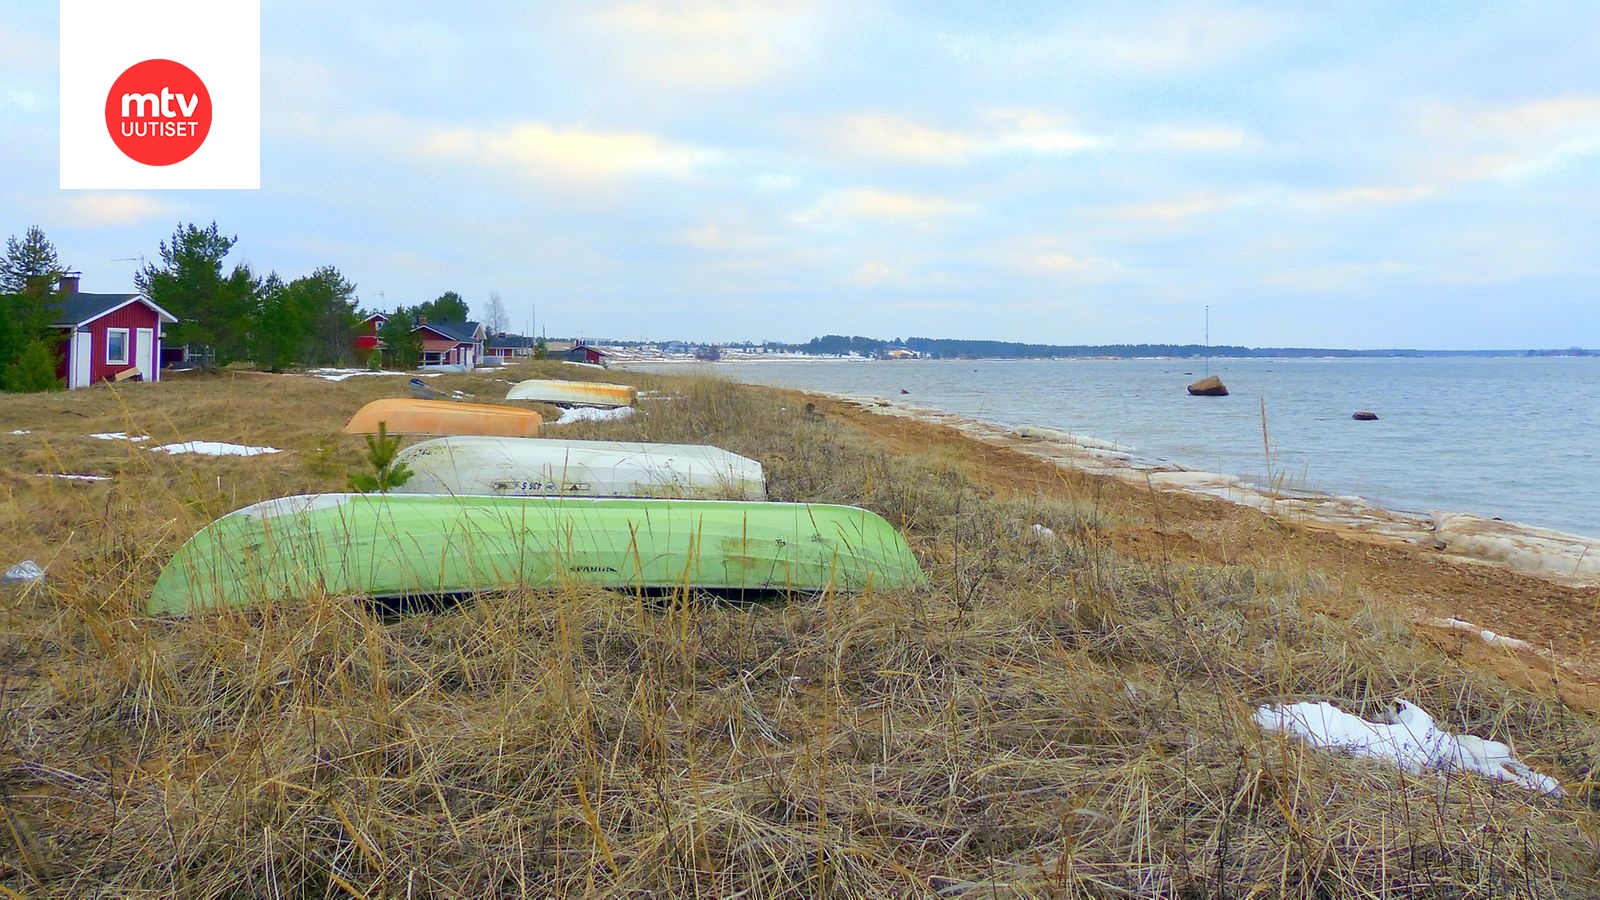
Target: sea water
[{"x": 1514, "y": 438}]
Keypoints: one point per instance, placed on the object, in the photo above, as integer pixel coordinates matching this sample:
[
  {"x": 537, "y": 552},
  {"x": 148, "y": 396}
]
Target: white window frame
[{"x": 127, "y": 341}]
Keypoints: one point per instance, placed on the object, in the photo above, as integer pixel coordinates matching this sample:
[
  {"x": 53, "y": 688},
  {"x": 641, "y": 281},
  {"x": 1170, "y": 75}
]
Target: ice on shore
[
  {"x": 1408, "y": 738},
  {"x": 1522, "y": 547},
  {"x": 1067, "y": 437},
  {"x": 215, "y": 448},
  {"x": 586, "y": 414}
]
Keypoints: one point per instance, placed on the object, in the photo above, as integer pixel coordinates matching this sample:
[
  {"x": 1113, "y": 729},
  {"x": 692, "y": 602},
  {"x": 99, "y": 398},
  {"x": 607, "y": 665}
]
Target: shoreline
[
  {"x": 1566, "y": 559},
  {"x": 1561, "y": 557}
]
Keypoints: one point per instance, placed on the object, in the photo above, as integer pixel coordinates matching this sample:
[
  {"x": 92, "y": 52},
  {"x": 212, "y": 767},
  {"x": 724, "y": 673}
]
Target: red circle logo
[{"x": 158, "y": 112}]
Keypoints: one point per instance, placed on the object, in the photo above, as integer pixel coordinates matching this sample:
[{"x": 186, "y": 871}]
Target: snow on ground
[
  {"x": 215, "y": 448},
  {"x": 1407, "y": 738},
  {"x": 78, "y": 477},
  {"x": 342, "y": 374},
  {"x": 1489, "y": 637},
  {"x": 22, "y": 431},
  {"x": 585, "y": 414},
  {"x": 119, "y": 436}
]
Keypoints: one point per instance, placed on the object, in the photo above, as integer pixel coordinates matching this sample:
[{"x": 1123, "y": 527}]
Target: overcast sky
[{"x": 1393, "y": 174}]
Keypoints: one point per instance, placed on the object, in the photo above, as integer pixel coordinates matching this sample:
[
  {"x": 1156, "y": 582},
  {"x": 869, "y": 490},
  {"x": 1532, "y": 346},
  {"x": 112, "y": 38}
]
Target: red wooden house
[
  {"x": 451, "y": 343},
  {"x": 107, "y": 335},
  {"x": 366, "y": 340},
  {"x": 584, "y": 353}
]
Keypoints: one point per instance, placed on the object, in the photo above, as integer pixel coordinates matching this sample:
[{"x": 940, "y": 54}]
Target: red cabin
[{"x": 108, "y": 336}]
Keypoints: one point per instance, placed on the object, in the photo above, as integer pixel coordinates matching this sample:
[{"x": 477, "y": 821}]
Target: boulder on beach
[
  {"x": 1209, "y": 386},
  {"x": 1365, "y": 416}
]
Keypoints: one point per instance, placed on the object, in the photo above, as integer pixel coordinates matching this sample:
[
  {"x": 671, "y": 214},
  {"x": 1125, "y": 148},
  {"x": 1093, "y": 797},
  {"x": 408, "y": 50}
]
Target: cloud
[
  {"x": 705, "y": 45},
  {"x": 1173, "y": 210},
  {"x": 876, "y": 137},
  {"x": 713, "y": 236},
  {"x": 1129, "y": 40},
  {"x": 870, "y": 203},
  {"x": 1200, "y": 139},
  {"x": 99, "y": 209},
  {"x": 541, "y": 151}
]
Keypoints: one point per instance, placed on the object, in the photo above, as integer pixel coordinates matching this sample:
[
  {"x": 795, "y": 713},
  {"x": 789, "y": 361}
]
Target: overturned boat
[
  {"x": 396, "y": 545},
  {"x": 573, "y": 393},
  {"x": 405, "y": 416},
  {"x": 541, "y": 467}
]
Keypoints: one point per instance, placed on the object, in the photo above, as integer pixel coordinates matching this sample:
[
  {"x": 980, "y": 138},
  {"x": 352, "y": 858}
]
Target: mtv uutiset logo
[
  {"x": 160, "y": 94},
  {"x": 158, "y": 128}
]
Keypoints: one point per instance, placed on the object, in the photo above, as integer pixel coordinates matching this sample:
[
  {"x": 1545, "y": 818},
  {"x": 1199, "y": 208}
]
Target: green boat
[{"x": 394, "y": 545}]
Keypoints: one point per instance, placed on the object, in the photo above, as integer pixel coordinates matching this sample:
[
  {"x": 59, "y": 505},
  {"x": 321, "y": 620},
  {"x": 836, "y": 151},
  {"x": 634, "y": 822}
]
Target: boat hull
[
  {"x": 573, "y": 393},
  {"x": 406, "y": 416},
  {"x": 385, "y": 545},
  {"x": 524, "y": 467}
]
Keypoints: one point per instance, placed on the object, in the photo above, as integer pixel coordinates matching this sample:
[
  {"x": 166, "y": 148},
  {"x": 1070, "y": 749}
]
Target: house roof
[
  {"x": 509, "y": 340},
  {"x": 461, "y": 332},
  {"x": 77, "y": 309},
  {"x": 583, "y": 346}
]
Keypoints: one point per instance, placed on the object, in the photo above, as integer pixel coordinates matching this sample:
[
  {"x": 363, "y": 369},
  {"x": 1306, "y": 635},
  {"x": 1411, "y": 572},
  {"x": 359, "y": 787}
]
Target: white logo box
[{"x": 220, "y": 40}]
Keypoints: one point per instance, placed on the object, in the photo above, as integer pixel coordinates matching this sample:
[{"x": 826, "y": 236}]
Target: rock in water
[
  {"x": 1209, "y": 386},
  {"x": 1365, "y": 416}
]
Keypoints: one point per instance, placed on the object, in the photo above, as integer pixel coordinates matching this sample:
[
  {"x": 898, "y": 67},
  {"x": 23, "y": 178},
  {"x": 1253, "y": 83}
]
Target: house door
[
  {"x": 144, "y": 348},
  {"x": 78, "y": 373}
]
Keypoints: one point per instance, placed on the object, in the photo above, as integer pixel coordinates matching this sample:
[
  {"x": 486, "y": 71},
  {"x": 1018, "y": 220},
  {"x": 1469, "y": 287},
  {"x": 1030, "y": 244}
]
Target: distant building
[
  {"x": 110, "y": 337},
  {"x": 366, "y": 340},
  {"x": 450, "y": 343},
  {"x": 584, "y": 353},
  {"x": 678, "y": 347},
  {"x": 708, "y": 353},
  {"x": 508, "y": 346}
]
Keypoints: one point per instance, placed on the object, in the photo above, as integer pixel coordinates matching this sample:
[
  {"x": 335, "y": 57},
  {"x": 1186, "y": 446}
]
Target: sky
[{"x": 1329, "y": 175}]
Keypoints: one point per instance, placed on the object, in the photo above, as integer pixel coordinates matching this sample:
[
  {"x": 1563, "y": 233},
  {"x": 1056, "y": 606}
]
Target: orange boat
[{"x": 443, "y": 417}]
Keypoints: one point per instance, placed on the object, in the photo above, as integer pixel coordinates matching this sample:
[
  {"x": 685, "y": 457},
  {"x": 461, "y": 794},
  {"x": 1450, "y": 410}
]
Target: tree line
[{"x": 225, "y": 313}]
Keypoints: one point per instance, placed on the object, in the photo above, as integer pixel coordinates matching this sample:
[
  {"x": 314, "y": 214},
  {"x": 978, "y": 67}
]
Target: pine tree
[
  {"x": 34, "y": 369},
  {"x": 402, "y": 347},
  {"x": 31, "y": 265},
  {"x": 213, "y": 310},
  {"x": 386, "y": 474}
]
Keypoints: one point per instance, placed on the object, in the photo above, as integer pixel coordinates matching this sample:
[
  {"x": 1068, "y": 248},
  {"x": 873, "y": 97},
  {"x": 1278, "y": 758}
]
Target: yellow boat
[
  {"x": 573, "y": 393},
  {"x": 442, "y": 417}
]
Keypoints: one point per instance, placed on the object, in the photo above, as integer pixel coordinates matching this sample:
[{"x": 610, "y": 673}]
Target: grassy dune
[{"x": 1051, "y": 717}]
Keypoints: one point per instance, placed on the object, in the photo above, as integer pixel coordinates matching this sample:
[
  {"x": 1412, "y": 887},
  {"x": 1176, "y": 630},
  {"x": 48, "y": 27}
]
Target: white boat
[
  {"x": 573, "y": 393},
  {"x": 535, "y": 467}
]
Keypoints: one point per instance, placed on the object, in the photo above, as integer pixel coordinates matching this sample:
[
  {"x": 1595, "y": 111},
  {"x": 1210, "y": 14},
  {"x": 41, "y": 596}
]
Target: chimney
[
  {"x": 422, "y": 320},
  {"x": 69, "y": 282}
]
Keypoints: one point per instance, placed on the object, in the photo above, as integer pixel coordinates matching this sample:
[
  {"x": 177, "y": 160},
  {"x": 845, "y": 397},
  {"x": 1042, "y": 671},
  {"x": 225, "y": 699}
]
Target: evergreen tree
[
  {"x": 279, "y": 326},
  {"x": 214, "y": 310},
  {"x": 386, "y": 474},
  {"x": 541, "y": 350},
  {"x": 329, "y": 301},
  {"x": 402, "y": 347},
  {"x": 447, "y": 307},
  {"x": 31, "y": 265},
  {"x": 34, "y": 369}
]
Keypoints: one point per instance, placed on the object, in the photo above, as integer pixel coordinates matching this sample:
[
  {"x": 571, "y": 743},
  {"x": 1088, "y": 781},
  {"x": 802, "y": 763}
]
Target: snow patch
[
  {"x": 1042, "y": 532},
  {"x": 78, "y": 477},
  {"x": 1488, "y": 637},
  {"x": 22, "y": 431},
  {"x": 342, "y": 374},
  {"x": 119, "y": 436},
  {"x": 215, "y": 448},
  {"x": 1408, "y": 738},
  {"x": 587, "y": 414}
]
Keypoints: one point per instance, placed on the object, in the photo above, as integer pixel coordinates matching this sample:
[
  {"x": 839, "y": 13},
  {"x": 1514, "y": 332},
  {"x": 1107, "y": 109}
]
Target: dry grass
[{"x": 1049, "y": 718}]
